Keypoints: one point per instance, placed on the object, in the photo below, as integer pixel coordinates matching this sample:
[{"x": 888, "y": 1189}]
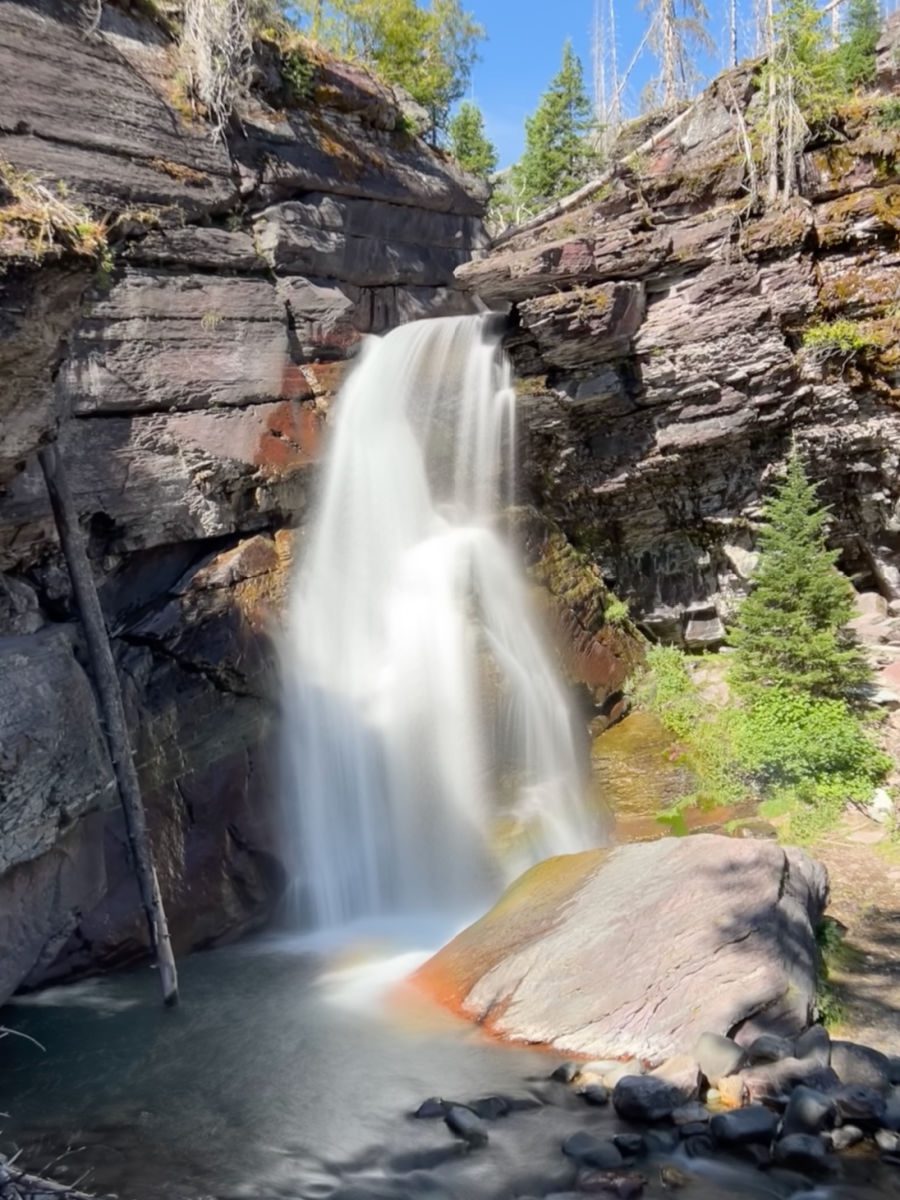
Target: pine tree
[
  {"x": 857, "y": 52},
  {"x": 558, "y": 157},
  {"x": 469, "y": 144},
  {"x": 791, "y": 630}
]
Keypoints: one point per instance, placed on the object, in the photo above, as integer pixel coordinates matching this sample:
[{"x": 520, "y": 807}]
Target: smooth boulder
[
  {"x": 644, "y": 1098},
  {"x": 575, "y": 956}
]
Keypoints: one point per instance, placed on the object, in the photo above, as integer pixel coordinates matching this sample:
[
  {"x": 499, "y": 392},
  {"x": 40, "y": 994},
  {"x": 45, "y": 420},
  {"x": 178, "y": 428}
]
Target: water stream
[{"x": 429, "y": 744}]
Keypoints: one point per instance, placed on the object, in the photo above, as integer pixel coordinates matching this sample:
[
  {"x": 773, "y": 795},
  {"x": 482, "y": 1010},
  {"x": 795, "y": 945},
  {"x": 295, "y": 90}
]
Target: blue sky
[{"x": 524, "y": 48}]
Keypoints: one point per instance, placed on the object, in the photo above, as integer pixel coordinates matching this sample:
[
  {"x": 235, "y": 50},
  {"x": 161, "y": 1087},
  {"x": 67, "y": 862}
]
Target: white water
[{"x": 429, "y": 745}]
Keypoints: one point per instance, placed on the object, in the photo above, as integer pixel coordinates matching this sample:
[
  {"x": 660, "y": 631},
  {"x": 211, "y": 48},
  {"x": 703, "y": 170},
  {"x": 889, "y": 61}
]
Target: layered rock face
[
  {"x": 658, "y": 332},
  {"x": 188, "y": 382}
]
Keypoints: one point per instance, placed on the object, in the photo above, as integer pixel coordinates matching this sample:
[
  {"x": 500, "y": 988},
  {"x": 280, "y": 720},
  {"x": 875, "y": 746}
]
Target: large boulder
[{"x": 639, "y": 950}]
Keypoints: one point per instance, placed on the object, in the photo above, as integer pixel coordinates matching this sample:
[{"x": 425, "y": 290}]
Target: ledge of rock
[{"x": 639, "y": 950}]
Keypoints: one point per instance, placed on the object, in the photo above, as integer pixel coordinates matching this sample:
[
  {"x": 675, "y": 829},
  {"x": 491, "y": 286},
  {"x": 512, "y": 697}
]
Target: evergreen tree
[
  {"x": 856, "y": 55},
  {"x": 469, "y": 144},
  {"x": 558, "y": 156},
  {"x": 428, "y": 51},
  {"x": 791, "y": 630}
]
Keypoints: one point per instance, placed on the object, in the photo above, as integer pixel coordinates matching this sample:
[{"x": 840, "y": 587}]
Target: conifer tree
[
  {"x": 469, "y": 144},
  {"x": 558, "y": 156},
  {"x": 857, "y": 52},
  {"x": 791, "y": 630}
]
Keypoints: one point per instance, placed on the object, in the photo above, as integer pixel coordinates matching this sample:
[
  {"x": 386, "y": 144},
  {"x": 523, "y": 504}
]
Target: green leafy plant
[
  {"x": 616, "y": 611},
  {"x": 842, "y": 339},
  {"x": 298, "y": 74},
  {"x": 887, "y": 115}
]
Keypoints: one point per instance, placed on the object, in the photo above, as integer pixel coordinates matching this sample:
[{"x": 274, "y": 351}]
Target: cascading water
[{"x": 429, "y": 744}]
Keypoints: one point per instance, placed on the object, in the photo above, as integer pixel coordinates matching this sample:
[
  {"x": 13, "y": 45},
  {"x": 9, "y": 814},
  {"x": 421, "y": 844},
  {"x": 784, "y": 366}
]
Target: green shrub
[
  {"x": 616, "y": 611},
  {"x": 298, "y": 74},
  {"x": 888, "y": 113},
  {"x": 841, "y": 339},
  {"x": 667, "y": 690}
]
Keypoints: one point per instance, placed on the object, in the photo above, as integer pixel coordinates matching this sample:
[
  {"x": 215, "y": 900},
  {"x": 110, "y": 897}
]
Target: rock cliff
[
  {"x": 177, "y": 310},
  {"x": 658, "y": 335}
]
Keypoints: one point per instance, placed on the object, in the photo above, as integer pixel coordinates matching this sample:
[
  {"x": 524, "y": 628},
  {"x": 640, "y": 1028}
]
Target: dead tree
[{"x": 112, "y": 709}]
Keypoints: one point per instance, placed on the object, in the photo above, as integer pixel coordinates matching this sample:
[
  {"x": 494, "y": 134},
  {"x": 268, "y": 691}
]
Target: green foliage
[
  {"x": 298, "y": 74},
  {"x": 790, "y": 632},
  {"x": 468, "y": 142},
  {"x": 887, "y": 115},
  {"x": 801, "y": 66},
  {"x": 842, "y": 338},
  {"x": 616, "y": 611},
  {"x": 428, "y": 51},
  {"x": 856, "y": 54},
  {"x": 558, "y": 155},
  {"x": 667, "y": 690}
]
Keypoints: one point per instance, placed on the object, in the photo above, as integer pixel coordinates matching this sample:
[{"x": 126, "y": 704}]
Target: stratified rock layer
[
  {"x": 640, "y": 950},
  {"x": 658, "y": 329}
]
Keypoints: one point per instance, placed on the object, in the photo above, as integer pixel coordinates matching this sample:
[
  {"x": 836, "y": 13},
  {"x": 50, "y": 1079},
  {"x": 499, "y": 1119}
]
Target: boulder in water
[{"x": 577, "y": 954}]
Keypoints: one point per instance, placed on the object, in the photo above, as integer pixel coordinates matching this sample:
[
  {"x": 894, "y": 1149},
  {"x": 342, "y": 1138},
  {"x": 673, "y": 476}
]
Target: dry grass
[{"x": 42, "y": 220}]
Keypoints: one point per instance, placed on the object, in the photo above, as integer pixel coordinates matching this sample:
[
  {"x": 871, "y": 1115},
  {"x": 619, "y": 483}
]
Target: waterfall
[{"x": 429, "y": 747}]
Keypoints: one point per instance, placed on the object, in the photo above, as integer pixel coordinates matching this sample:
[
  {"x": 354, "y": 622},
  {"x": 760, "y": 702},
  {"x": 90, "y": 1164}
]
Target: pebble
[
  {"x": 888, "y": 1141},
  {"x": 845, "y": 1136},
  {"x": 744, "y": 1126},
  {"x": 595, "y": 1093},
  {"x": 769, "y": 1048},
  {"x": 464, "y": 1123},
  {"x": 643, "y": 1098},
  {"x": 860, "y": 1105},
  {"x": 630, "y": 1144},
  {"x": 718, "y": 1056},
  {"x": 592, "y": 1151},
  {"x": 431, "y": 1108},
  {"x": 566, "y": 1072},
  {"x": 804, "y": 1151},
  {"x": 809, "y": 1111}
]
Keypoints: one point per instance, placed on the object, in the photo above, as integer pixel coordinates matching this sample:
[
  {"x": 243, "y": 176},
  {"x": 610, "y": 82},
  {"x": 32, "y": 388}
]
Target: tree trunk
[
  {"x": 670, "y": 54},
  {"x": 112, "y": 709},
  {"x": 772, "y": 105},
  {"x": 732, "y": 33}
]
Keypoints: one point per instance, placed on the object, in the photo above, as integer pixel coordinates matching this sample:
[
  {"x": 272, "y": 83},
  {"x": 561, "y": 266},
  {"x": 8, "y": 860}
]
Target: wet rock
[
  {"x": 692, "y": 1129},
  {"x": 769, "y": 1048},
  {"x": 595, "y": 1093},
  {"x": 622, "y": 1070},
  {"x": 464, "y": 1123},
  {"x": 643, "y": 1098},
  {"x": 718, "y": 1056},
  {"x": 803, "y": 1152},
  {"x": 630, "y": 1144},
  {"x": 661, "y": 1141},
  {"x": 565, "y": 1072},
  {"x": 699, "y": 1145},
  {"x": 863, "y": 1106},
  {"x": 489, "y": 1108},
  {"x": 891, "y": 1117},
  {"x": 431, "y": 1108},
  {"x": 809, "y": 1111},
  {"x": 673, "y": 1178},
  {"x": 888, "y": 1141},
  {"x": 623, "y": 1185},
  {"x": 682, "y": 1073},
  {"x": 814, "y": 1046},
  {"x": 744, "y": 1126},
  {"x": 857, "y": 1064},
  {"x": 691, "y": 1114},
  {"x": 772, "y": 1082},
  {"x": 845, "y": 1136},
  {"x": 893, "y": 1069},
  {"x": 591, "y": 1151}
]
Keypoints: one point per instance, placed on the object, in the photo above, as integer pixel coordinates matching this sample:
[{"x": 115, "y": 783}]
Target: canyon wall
[
  {"x": 187, "y": 371},
  {"x": 658, "y": 333}
]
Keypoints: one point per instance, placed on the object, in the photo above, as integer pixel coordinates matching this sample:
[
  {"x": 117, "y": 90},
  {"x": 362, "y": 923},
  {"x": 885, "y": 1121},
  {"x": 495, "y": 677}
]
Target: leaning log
[{"x": 109, "y": 693}]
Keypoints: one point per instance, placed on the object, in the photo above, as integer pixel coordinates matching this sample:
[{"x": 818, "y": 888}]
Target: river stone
[
  {"x": 464, "y": 1123},
  {"x": 891, "y": 1117},
  {"x": 431, "y": 1108},
  {"x": 623, "y": 1185},
  {"x": 643, "y": 1098},
  {"x": 809, "y": 1111},
  {"x": 845, "y": 1136},
  {"x": 718, "y": 1056},
  {"x": 592, "y": 1151},
  {"x": 565, "y": 1072},
  {"x": 814, "y": 1045},
  {"x": 769, "y": 1048},
  {"x": 691, "y": 1113},
  {"x": 630, "y": 1144},
  {"x": 489, "y": 1108},
  {"x": 894, "y": 1069},
  {"x": 803, "y": 1151},
  {"x": 857, "y": 1064},
  {"x": 595, "y": 1093},
  {"x": 888, "y": 1141},
  {"x": 744, "y": 1126},
  {"x": 575, "y": 956},
  {"x": 864, "y": 1106},
  {"x": 682, "y": 1073}
]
